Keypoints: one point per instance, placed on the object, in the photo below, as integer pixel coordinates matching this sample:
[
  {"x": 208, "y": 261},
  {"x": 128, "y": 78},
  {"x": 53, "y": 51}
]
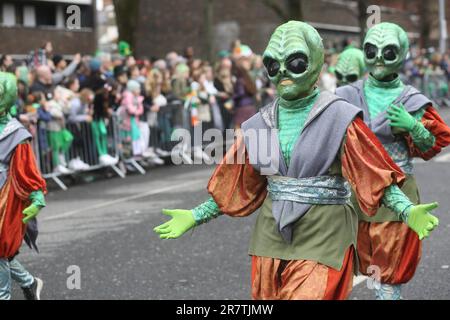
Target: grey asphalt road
[{"x": 104, "y": 229}]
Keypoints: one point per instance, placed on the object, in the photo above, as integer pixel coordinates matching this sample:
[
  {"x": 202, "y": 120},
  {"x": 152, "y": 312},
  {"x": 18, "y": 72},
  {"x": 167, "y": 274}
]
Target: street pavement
[{"x": 104, "y": 230}]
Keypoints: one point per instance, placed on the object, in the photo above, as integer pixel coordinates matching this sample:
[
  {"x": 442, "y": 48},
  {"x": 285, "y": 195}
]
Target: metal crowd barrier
[
  {"x": 170, "y": 117},
  {"x": 434, "y": 86},
  {"x": 83, "y": 146},
  {"x": 173, "y": 116}
]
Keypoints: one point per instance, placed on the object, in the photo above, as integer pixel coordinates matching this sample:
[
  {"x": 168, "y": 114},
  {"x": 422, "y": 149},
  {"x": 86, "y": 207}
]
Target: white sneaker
[
  {"x": 149, "y": 153},
  {"x": 107, "y": 160},
  {"x": 113, "y": 160},
  {"x": 83, "y": 165},
  {"x": 156, "y": 160},
  {"x": 162, "y": 153},
  {"x": 77, "y": 165},
  {"x": 62, "y": 170}
]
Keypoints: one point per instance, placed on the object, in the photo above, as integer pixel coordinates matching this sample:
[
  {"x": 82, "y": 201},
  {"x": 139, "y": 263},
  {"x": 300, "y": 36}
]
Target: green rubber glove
[
  {"x": 421, "y": 221},
  {"x": 400, "y": 118},
  {"x": 30, "y": 212},
  {"x": 181, "y": 222}
]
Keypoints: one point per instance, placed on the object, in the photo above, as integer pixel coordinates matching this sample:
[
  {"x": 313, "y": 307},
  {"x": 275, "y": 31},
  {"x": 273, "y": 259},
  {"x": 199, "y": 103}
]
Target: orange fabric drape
[
  {"x": 368, "y": 167},
  {"x": 23, "y": 178},
  {"x": 275, "y": 279},
  {"x": 433, "y": 122},
  {"x": 237, "y": 188},
  {"x": 392, "y": 246}
]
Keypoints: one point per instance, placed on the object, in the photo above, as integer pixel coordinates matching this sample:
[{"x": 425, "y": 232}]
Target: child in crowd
[
  {"x": 80, "y": 113},
  {"x": 59, "y": 137},
  {"x": 132, "y": 109}
]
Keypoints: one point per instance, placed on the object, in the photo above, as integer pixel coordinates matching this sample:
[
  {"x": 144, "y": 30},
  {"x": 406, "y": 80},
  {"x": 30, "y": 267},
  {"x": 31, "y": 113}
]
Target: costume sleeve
[
  {"x": 37, "y": 198},
  {"x": 368, "y": 167},
  {"x": 419, "y": 140},
  {"x": 205, "y": 212},
  {"x": 26, "y": 178},
  {"x": 395, "y": 200},
  {"x": 236, "y": 187}
]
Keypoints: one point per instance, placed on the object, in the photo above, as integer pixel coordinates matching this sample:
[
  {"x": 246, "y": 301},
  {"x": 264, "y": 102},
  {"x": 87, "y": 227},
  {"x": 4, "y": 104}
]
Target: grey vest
[
  {"x": 411, "y": 98},
  {"x": 314, "y": 152},
  {"x": 12, "y": 135}
]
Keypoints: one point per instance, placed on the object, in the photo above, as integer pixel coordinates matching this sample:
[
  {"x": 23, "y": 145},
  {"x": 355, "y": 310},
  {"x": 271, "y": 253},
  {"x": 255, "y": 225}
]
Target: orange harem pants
[
  {"x": 392, "y": 246},
  {"x": 274, "y": 279}
]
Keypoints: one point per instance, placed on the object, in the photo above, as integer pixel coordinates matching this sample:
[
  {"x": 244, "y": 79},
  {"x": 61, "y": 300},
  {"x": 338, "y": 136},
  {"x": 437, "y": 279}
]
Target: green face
[
  {"x": 350, "y": 66},
  {"x": 8, "y": 92},
  {"x": 294, "y": 59},
  {"x": 385, "y": 48}
]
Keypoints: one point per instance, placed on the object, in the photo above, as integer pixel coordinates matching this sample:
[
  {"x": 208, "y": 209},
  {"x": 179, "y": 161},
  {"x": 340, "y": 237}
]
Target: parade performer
[
  {"x": 302, "y": 245},
  {"x": 21, "y": 195},
  {"x": 350, "y": 66},
  {"x": 408, "y": 126}
]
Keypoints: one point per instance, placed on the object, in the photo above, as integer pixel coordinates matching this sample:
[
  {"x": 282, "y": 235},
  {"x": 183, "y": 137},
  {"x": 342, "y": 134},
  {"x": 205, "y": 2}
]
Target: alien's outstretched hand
[
  {"x": 181, "y": 222},
  {"x": 421, "y": 220},
  {"x": 30, "y": 212},
  {"x": 400, "y": 118}
]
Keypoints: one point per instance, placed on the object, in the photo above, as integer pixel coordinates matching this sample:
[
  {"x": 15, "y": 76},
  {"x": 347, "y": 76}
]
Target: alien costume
[
  {"x": 302, "y": 245},
  {"x": 21, "y": 194},
  {"x": 408, "y": 126},
  {"x": 350, "y": 66}
]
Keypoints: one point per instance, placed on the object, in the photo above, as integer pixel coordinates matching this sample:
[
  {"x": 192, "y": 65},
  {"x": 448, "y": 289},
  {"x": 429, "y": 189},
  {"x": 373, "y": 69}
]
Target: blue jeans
[{"x": 12, "y": 270}]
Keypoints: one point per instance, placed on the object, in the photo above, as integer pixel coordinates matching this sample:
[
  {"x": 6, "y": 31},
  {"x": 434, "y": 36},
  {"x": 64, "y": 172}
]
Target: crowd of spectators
[{"x": 57, "y": 95}]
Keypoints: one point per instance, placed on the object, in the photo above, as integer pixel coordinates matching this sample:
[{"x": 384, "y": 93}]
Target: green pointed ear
[{"x": 8, "y": 91}]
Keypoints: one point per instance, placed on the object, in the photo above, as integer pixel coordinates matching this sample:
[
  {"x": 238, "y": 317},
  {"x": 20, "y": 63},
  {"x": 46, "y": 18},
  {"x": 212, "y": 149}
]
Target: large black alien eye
[
  {"x": 297, "y": 63},
  {"x": 370, "y": 51},
  {"x": 352, "y": 78},
  {"x": 338, "y": 75},
  {"x": 272, "y": 66},
  {"x": 390, "y": 53}
]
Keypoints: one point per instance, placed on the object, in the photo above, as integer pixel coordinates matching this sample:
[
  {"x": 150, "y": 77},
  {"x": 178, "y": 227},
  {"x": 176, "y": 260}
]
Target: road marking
[
  {"x": 443, "y": 158},
  {"x": 357, "y": 280},
  {"x": 124, "y": 199}
]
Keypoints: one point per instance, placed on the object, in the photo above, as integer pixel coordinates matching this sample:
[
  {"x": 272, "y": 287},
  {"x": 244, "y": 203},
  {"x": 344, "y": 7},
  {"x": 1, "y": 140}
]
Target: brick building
[
  {"x": 26, "y": 25},
  {"x": 173, "y": 24}
]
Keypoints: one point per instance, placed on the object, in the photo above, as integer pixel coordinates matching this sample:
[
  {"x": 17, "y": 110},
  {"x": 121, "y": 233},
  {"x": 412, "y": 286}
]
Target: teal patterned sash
[
  {"x": 312, "y": 190},
  {"x": 399, "y": 152}
]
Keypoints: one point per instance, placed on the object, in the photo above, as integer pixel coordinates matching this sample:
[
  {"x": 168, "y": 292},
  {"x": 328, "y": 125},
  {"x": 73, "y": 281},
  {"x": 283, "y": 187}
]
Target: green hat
[{"x": 124, "y": 49}]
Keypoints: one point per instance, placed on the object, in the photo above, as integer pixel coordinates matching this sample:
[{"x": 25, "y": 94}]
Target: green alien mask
[
  {"x": 385, "y": 48},
  {"x": 294, "y": 59},
  {"x": 8, "y": 92},
  {"x": 350, "y": 66}
]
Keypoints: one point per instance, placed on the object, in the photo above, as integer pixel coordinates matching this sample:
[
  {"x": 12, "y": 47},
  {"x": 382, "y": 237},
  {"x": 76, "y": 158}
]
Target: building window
[
  {"x": 19, "y": 14},
  {"x": 46, "y": 15}
]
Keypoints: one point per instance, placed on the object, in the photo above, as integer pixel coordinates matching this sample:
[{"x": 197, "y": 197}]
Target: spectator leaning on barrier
[
  {"x": 131, "y": 109},
  {"x": 41, "y": 107},
  {"x": 59, "y": 137},
  {"x": 156, "y": 100},
  {"x": 80, "y": 112},
  {"x": 101, "y": 114}
]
